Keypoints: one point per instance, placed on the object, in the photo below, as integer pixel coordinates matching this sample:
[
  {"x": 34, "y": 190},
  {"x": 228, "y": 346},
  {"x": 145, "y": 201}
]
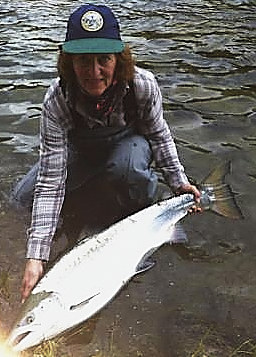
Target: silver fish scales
[{"x": 85, "y": 279}]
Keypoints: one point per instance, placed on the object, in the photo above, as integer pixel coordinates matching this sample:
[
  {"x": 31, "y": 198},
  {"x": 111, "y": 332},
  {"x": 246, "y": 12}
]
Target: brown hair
[{"x": 124, "y": 67}]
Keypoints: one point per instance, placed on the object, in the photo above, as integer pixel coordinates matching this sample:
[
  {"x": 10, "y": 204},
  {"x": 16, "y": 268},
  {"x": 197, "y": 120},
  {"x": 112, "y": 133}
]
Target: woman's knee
[
  {"x": 21, "y": 196},
  {"x": 131, "y": 158}
]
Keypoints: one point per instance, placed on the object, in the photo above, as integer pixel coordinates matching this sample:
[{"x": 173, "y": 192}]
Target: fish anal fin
[{"x": 178, "y": 235}]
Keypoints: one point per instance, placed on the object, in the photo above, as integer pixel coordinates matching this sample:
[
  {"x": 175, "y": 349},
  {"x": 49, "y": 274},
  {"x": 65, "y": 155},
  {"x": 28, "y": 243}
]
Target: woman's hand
[
  {"x": 188, "y": 188},
  {"x": 34, "y": 270}
]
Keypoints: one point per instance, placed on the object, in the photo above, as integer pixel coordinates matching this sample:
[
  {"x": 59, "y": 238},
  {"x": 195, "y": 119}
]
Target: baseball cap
[{"x": 93, "y": 29}]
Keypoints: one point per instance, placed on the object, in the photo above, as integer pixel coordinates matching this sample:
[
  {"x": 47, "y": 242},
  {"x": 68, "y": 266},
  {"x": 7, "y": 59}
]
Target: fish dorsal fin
[{"x": 84, "y": 302}]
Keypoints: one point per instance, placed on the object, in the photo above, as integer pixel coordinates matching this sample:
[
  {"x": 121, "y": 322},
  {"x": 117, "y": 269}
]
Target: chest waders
[
  {"x": 118, "y": 155},
  {"x": 118, "y": 158}
]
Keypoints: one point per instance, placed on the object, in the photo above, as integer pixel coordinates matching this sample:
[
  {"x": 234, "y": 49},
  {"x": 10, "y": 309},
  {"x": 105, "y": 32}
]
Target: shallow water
[{"x": 203, "y": 55}]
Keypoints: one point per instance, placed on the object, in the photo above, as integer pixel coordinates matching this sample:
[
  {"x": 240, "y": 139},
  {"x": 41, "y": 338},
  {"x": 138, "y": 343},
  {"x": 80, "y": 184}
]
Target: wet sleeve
[
  {"x": 50, "y": 186},
  {"x": 158, "y": 133}
]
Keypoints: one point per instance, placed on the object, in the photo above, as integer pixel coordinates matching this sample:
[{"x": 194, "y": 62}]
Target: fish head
[{"x": 39, "y": 316}]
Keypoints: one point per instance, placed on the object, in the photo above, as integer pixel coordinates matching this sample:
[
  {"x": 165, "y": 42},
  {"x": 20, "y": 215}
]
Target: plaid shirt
[{"x": 56, "y": 121}]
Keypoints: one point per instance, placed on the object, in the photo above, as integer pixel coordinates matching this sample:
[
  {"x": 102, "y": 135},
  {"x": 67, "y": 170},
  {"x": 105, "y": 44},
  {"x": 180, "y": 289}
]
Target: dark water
[{"x": 203, "y": 55}]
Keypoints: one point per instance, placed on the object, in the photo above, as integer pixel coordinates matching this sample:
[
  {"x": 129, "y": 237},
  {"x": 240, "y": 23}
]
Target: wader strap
[{"x": 129, "y": 105}]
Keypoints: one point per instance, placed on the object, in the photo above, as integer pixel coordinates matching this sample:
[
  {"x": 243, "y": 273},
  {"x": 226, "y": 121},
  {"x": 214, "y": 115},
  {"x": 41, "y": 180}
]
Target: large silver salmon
[{"x": 85, "y": 279}]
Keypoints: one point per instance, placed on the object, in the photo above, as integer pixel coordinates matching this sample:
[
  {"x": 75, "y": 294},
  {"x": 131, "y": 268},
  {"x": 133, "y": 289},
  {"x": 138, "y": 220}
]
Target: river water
[{"x": 198, "y": 298}]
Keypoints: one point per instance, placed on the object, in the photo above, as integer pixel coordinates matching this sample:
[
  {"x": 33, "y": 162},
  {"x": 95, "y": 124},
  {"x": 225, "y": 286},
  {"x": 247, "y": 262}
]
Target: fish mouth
[
  {"x": 19, "y": 338},
  {"x": 16, "y": 343}
]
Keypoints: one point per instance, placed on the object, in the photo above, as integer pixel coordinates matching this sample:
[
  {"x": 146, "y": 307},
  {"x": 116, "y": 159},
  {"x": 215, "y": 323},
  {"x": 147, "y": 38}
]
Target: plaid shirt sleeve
[
  {"x": 50, "y": 186},
  {"x": 155, "y": 128},
  {"x": 55, "y": 122}
]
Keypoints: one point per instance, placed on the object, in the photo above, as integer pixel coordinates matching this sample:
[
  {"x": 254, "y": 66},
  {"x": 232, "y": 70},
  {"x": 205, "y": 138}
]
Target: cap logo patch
[{"x": 92, "y": 21}]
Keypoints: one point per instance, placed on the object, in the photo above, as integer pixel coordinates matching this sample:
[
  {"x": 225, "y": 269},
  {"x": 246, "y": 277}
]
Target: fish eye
[{"x": 30, "y": 319}]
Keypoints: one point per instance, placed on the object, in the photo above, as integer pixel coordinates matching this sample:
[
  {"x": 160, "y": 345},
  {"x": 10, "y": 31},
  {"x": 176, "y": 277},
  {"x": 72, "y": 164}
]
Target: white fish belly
[{"x": 93, "y": 272}]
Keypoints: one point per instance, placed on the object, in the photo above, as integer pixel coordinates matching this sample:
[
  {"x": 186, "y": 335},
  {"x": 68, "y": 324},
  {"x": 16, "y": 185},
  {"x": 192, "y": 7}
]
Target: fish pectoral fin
[{"x": 82, "y": 303}]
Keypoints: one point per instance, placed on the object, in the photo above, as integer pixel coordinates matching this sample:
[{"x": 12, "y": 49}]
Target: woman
[{"x": 104, "y": 116}]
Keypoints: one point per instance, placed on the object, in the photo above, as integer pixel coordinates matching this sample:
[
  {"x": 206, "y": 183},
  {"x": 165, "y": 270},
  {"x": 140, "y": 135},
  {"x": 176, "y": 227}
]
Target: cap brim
[{"x": 93, "y": 45}]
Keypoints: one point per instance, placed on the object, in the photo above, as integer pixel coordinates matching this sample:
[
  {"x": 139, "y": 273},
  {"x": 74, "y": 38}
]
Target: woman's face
[{"x": 94, "y": 72}]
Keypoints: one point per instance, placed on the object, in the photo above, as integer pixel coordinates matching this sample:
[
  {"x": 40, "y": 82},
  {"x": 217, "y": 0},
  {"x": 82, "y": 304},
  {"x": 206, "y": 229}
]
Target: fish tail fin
[{"x": 217, "y": 195}]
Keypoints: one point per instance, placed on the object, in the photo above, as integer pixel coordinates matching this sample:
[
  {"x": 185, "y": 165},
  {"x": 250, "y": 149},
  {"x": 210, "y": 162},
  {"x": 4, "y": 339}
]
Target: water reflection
[{"x": 203, "y": 55}]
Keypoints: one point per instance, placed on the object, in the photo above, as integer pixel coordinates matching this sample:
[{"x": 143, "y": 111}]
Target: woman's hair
[{"x": 124, "y": 66}]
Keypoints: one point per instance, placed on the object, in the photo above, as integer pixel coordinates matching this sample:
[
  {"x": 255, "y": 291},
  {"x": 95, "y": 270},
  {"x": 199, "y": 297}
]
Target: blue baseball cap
[{"x": 93, "y": 29}]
